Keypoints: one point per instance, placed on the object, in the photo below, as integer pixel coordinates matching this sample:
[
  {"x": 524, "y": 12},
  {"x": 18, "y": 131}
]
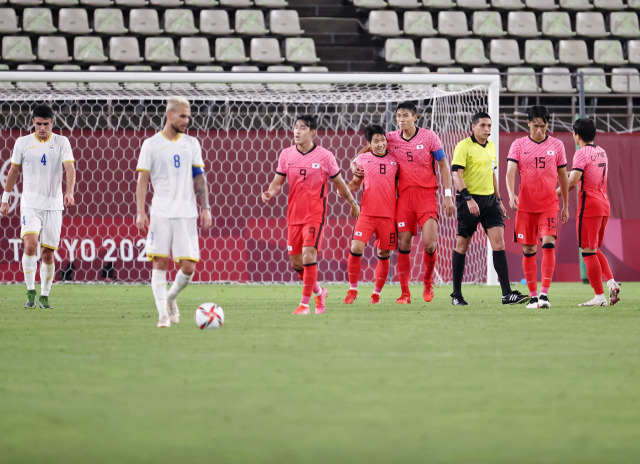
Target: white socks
[
  {"x": 29, "y": 266},
  {"x": 159, "y": 288},
  {"x": 181, "y": 281},
  {"x": 47, "y": 272}
]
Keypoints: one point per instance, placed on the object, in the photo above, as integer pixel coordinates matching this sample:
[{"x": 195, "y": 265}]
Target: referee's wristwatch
[{"x": 465, "y": 194}]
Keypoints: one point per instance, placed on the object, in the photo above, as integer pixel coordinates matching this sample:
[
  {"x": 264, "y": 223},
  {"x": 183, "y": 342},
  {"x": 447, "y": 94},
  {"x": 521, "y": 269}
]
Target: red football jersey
[
  {"x": 538, "y": 165},
  {"x": 592, "y": 161},
  {"x": 416, "y": 157},
  {"x": 307, "y": 174},
  {"x": 379, "y": 184}
]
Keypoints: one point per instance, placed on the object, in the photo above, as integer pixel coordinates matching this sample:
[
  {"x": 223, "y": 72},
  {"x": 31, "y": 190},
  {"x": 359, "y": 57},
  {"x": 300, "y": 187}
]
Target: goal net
[{"x": 243, "y": 121}]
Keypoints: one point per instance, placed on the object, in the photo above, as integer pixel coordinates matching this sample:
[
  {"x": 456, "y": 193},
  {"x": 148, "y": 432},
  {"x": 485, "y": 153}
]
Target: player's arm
[
  {"x": 70, "y": 176},
  {"x": 574, "y": 179},
  {"x": 142, "y": 221},
  {"x": 202, "y": 191},
  {"x": 12, "y": 178},
  {"x": 445, "y": 174},
  {"x": 355, "y": 184},
  {"x": 461, "y": 186},
  {"x": 564, "y": 191},
  {"x": 345, "y": 193},
  {"x": 274, "y": 187},
  {"x": 496, "y": 192},
  {"x": 512, "y": 168}
]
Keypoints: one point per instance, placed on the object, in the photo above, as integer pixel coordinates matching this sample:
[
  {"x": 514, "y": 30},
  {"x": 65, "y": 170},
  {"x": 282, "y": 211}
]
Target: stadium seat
[
  {"x": 74, "y": 21},
  {"x": 124, "y": 50},
  {"x": 301, "y": 50},
  {"x": 438, "y": 4},
  {"x": 8, "y": 21},
  {"x": 435, "y": 52},
  {"x": 271, "y": 3},
  {"x": 166, "y": 3},
  {"x": 144, "y": 21},
  {"x": 160, "y": 50},
  {"x": 201, "y": 4},
  {"x": 573, "y": 52},
  {"x": 488, "y": 24},
  {"x": 17, "y": 48},
  {"x": 26, "y": 2},
  {"x": 505, "y": 52},
  {"x": 522, "y": 24},
  {"x": 245, "y": 68},
  {"x": 179, "y": 22},
  {"x": 30, "y": 85},
  {"x": 314, "y": 69},
  {"x": 195, "y": 50},
  {"x": 230, "y": 50},
  {"x": 175, "y": 86},
  {"x": 522, "y": 80},
  {"x": 495, "y": 71},
  {"x": 280, "y": 68},
  {"x": 625, "y": 80},
  {"x": 539, "y": 53},
  {"x": 473, "y": 4},
  {"x": 109, "y": 21},
  {"x": 370, "y": 4},
  {"x": 139, "y": 86},
  {"x": 508, "y": 4},
  {"x": 282, "y": 87},
  {"x": 416, "y": 70},
  {"x": 400, "y": 51},
  {"x": 209, "y": 68},
  {"x": 61, "y": 3},
  {"x": 404, "y": 4},
  {"x": 285, "y": 22},
  {"x": 608, "y": 53},
  {"x": 215, "y": 22},
  {"x": 613, "y": 5},
  {"x": 544, "y": 5},
  {"x": 470, "y": 52},
  {"x": 131, "y": 3},
  {"x": 624, "y": 24},
  {"x": 576, "y": 5},
  {"x": 265, "y": 51},
  {"x": 557, "y": 80},
  {"x": 419, "y": 24},
  {"x": 453, "y": 23},
  {"x": 210, "y": 86},
  {"x": 633, "y": 4},
  {"x": 89, "y": 49},
  {"x": 66, "y": 86},
  {"x": 384, "y": 23},
  {"x": 594, "y": 80},
  {"x": 590, "y": 24},
  {"x": 53, "y": 49},
  {"x": 556, "y": 24},
  {"x": 250, "y": 22},
  {"x": 633, "y": 51},
  {"x": 38, "y": 21},
  {"x": 236, "y": 3},
  {"x": 96, "y": 3}
]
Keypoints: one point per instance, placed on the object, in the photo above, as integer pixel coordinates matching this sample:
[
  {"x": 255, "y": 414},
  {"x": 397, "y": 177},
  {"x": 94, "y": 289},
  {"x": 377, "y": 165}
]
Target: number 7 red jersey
[
  {"x": 592, "y": 161},
  {"x": 538, "y": 164}
]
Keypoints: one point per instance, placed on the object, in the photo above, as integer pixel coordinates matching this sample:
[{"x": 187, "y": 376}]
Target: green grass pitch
[{"x": 94, "y": 380}]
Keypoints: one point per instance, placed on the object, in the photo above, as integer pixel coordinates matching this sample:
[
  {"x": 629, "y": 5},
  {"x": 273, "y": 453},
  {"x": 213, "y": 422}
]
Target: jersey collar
[
  {"x": 412, "y": 137},
  {"x": 43, "y": 141},
  {"x": 312, "y": 148},
  {"x": 483, "y": 145},
  {"x": 171, "y": 140},
  {"x": 591, "y": 145},
  {"x": 546, "y": 136}
]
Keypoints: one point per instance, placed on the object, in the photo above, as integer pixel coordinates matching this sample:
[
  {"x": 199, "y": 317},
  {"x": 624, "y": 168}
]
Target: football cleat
[
  {"x": 544, "y": 302},
  {"x": 375, "y": 298},
  {"x": 301, "y": 309},
  {"x": 172, "y": 309},
  {"x": 351, "y": 295},
  {"x": 43, "y": 301},
  {"x": 427, "y": 293},
  {"x": 458, "y": 300},
  {"x": 164, "y": 322},
  {"x": 514, "y": 297},
  {"x": 595, "y": 302},
  {"x": 320, "y": 301},
  {"x": 31, "y": 299},
  {"x": 614, "y": 293},
  {"x": 405, "y": 298},
  {"x": 533, "y": 302}
]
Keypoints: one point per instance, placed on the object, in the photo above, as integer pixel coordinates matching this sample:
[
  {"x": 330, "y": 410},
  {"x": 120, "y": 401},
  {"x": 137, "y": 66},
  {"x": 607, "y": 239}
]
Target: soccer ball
[{"x": 209, "y": 316}]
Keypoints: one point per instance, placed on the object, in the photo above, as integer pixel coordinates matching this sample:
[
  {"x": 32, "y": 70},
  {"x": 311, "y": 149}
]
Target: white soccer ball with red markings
[{"x": 209, "y": 316}]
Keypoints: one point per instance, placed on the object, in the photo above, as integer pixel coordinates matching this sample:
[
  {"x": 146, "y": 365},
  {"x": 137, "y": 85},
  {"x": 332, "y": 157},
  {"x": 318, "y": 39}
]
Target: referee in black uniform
[{"x": 478, "y": 201}]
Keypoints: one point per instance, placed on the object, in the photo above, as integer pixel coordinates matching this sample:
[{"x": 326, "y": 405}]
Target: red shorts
[
  {"x": 591, "y": 231},
  {"x": 416, "y": 205},
  {"x": 528, "y": 225},
  {"x": 383, "y": 227},
  {"x": 304, "y": 235}
]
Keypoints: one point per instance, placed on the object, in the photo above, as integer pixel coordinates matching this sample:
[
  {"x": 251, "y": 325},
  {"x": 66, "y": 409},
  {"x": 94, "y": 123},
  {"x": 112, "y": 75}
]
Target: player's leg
[
  {"x": 429, "y": 242},
  {"x": 382, "y": 271},
  {"x": 407, "y": 228},
  {"x": 548, "y": 226},
  {"x": 310, "y": 278},
  {"x": 30, "y": 227},
  {"x": 158, "y": 245},
  {"x": 186, "y": 253},
  {"x": 457, "y": 264},
  {"x": 47, "y": 270},
  {"x": 354, "y": 266},
  {"x": 386, "y": 241},
  {"x": 594, "y": 274},
  {"x": 496, "y": 239},
  {"x": 525, "y": 232},
  {"x": 590, "y": 236},
  {"x": 612, "y": 285},
  {"x": 49, "y": 241}
]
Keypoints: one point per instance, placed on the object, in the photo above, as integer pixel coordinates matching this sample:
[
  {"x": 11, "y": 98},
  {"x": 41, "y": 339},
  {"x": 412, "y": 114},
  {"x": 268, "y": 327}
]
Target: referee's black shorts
[{"x": 490, "y": 214}]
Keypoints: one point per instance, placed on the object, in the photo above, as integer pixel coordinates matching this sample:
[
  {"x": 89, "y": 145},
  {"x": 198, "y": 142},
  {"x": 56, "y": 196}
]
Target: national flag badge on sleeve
[
  {"x": 358, "y": 234},
  {"x": 315, "y": 165},
  {"x": 401, "y": 224},
  {"x": 289, "y": 248},
  {"x": 520, "y": 235}
]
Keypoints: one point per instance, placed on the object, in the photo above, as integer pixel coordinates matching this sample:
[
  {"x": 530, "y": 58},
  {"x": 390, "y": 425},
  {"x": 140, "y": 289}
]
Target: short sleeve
[
  {"x": 514, "y": 152},
  {"x": 358, "y": 160},
  {"x": 562, "y": 156},
  {"x": 332, "y": 165},
  {"x": 198, "y": 162},
  {"x": 144, "y": 161},
  {"x": 435, "y": 143},
  {"x": 460, "y": 154},
  {"x": 67, "y": 154},
  {"x": 16, "y": 155},
  {"x": 579, "y": 161},
  {"x": 282, "y": 164},
  {"x": 494, "y": 158}
]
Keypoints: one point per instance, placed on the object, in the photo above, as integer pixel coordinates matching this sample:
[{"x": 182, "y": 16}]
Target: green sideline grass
[{"x": 94, "y": 381}]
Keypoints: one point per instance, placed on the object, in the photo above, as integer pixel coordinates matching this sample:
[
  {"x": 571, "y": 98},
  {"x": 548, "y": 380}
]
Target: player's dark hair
[
  {"x": 372, "y": 130},
  {"x": 309, "y": 120},
  {"x": 538, "y": 112},
  {"x": 407, "y": 105},
  {"x": 585, "y": 128},
  {"x": 43, "y": 111},
  {"x": 478, "y": 116}
]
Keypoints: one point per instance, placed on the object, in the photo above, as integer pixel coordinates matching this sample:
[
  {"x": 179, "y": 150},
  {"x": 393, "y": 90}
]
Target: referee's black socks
[
  {"x": 458, "y": 271},
  {"x": 502, "y": 269}
]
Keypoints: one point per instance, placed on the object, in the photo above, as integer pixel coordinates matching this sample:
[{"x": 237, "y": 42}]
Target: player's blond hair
[{"x": 176, "y": 102}]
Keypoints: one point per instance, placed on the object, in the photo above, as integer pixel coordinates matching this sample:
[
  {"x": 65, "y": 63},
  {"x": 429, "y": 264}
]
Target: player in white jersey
[
  {"x": 172, "y": 160},
  {"x": 42, "y": 156}
]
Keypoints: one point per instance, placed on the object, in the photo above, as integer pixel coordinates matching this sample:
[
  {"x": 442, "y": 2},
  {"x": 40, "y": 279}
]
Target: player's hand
[
  {"x": 513, "y": 202},
  {"x": 142, "y": 222},
  {"x": 473, "y": 207},
  {"x": 4, "y": 209},
  {"x": 503, "y": 210},
  {"x": 357, "y": 170},
  {"x": 355, "y": 210},
  {"x": 205, "y": 219},
  {"x": 565, "y": 215},
  {"x": 449, "y": 209},
  {"x": 266, "y": 196},
  {"x": 69, "y": 200}
]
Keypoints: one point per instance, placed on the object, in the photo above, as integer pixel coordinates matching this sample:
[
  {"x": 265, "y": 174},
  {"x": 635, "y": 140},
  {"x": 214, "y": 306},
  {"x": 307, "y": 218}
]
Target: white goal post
[{"x": 243, "y": 120}]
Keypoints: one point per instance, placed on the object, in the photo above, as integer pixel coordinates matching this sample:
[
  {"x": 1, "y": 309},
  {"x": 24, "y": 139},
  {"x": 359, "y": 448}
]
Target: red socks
[
  {"x": 530, "y": 268},
  {"x": 594, "y": 272},
  {"x": 354, "y": 264},
  {"x": 309, "y": 281},
  {"x": 429, "y": 264},
  {"x": 548, "y": 265},
  {"x": 404, "y": 270},
  {"x": 382, "y": 271},
  {"x": 604, "y": 266}
]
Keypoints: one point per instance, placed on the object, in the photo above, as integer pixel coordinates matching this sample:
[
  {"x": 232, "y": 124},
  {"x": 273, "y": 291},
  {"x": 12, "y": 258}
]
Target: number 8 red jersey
[{"x": 538, "y": 164}]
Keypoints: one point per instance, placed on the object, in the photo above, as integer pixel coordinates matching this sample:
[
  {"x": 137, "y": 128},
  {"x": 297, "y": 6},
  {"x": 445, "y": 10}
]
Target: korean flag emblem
[
  {"x": 401, "y": 224},
  {"x": 520, "y": 235},
  {"x": 551, "y": 152},
  {"x": 358, "y": 234},
  {"x": 393, "y": 163},
  {"x": 315, "y": 165},
  {"x": 289, "y": 248},
  {"x": 419, "y": 147}
]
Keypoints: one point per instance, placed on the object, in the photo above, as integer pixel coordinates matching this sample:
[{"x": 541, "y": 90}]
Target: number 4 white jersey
[
  {"x": 172, "y": 165},
  {"x": 41, "y": 164}
]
